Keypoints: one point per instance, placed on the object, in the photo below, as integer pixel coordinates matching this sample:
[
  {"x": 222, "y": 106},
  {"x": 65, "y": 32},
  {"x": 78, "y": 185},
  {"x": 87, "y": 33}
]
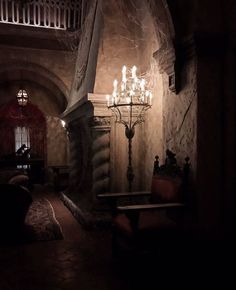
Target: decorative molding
[
  {"x": 90, "y": 105},
  {"x": 166, "y": 60},
  {"x": 171, "y": 60},
  {"x": 100, "y": 104},
  {"x": 87, "y": 53},
  {"x": 172, "y": 82},
  {"x": 100, "y": 122},
  {"x": 82, "y": 108},
  {"x": 40, "y": 13}
]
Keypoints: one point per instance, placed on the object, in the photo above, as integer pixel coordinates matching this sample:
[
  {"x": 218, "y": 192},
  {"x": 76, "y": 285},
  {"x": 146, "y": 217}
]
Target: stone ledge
[{"x": 87, "y": 219}]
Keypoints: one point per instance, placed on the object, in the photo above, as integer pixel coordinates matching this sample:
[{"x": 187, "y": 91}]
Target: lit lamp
[
  {"x": 63, "y": 123},
  {"x": 129, "y": 101},
  {"x": 22, "y": 98}
]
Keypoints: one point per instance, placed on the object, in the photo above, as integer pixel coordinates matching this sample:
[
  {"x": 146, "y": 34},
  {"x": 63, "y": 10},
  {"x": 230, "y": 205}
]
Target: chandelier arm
[
  {"x": 140, "y": 118},
  {"x": 119, "y": 113},
  {"x": 137, "y": 122},
  {"x": 123, "y": 122},
  {"x": 115, "y": 112}
]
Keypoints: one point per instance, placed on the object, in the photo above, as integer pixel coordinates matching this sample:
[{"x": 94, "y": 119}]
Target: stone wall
[
  {"x": 179, "y": 116},
  {"x": 152, "y": 130}
]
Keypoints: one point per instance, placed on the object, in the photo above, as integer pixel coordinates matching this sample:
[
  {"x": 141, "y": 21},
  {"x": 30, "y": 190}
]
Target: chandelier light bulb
[
  {"x": 115, "y": 83},
  {"x": 124, "y": 69},
  {"x": 133, "y": 71}
]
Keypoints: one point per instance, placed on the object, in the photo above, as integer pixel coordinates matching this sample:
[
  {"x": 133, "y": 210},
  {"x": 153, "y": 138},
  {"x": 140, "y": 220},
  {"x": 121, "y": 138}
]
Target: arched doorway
[
  {"x": 48, "y": 98},
  {"x": 23, "y": 126}
]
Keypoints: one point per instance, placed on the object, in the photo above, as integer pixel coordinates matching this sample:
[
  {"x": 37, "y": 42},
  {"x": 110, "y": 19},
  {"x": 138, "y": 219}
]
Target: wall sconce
[
  {"x": 65, "y": 126},
  {"x": 129, "y": 101},
  {"x": 22, "y": 98},
  {"x": 63, "y": 123}
]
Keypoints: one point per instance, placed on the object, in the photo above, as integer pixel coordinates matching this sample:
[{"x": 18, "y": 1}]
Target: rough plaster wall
[
  {"x": 44, "y": 99},
  {"x": 179, "y": 116},
  {"x": 131, "y": 43},
  {"x": 152, "y": 131},
  {"x": 117, "y": 48},
  {"x": 57, "y": 142}
]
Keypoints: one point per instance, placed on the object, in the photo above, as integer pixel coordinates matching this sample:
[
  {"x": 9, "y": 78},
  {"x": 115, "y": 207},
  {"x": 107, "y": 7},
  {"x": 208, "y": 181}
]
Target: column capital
[
  {"x": 100, "y": 123},
  {"x": 99, "y": 103},
  {"x": 89, "y": 106}
]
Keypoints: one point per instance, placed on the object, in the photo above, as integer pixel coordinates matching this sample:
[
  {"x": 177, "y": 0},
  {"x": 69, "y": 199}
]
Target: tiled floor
[{"x": 81, "y": 261}]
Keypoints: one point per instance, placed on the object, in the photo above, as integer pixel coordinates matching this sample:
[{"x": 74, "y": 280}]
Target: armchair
[{"x": 156, "y": 224}]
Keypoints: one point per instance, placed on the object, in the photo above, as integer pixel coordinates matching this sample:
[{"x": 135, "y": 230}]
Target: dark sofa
[{"x": 15, "y": 201}]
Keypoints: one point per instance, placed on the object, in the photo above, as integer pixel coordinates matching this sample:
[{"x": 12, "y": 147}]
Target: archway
[
  {"x": 34, "y": 77},
  {"x": 48, "y": 94}
]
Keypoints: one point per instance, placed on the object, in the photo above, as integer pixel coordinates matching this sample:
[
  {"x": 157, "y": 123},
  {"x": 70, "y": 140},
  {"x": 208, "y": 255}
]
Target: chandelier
[
  {"x": 129, "y": 101},
  {"x": 22, "y": 98}
]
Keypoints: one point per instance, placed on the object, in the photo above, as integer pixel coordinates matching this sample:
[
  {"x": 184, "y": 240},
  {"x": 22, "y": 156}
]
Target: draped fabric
[{"x": 12, "y": 116}]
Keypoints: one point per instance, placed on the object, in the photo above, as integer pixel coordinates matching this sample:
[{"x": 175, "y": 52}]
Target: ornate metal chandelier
[{"x": 129, "y": 101}]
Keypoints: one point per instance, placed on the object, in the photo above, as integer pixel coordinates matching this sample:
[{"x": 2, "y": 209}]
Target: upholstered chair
[{"x": 157, "y": 224}]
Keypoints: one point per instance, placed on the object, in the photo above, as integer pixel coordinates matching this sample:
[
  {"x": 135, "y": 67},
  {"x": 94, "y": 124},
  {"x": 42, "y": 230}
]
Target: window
[{"x": 21, "y": 137}]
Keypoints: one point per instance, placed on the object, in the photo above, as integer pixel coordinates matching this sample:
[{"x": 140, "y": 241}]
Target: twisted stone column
[
  {"x": 89, "y": 137},
  {"x": 100, "y": 155},
  {"x": 80, "y": 157}
]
